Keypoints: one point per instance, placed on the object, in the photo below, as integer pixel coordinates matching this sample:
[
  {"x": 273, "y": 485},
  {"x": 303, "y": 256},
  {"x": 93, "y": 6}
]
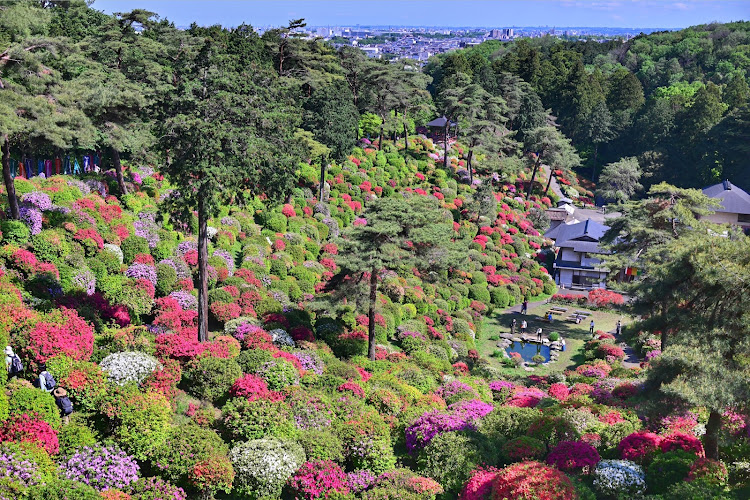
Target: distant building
[
  {"x": 576, "y": 265},
  {"x": 735, "y": 205}
]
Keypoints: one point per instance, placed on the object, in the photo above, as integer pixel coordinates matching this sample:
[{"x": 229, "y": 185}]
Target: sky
[{"x": 487, "y": 13}]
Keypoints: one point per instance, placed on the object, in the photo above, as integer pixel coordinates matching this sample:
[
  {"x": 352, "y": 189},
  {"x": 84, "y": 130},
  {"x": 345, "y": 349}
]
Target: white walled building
[
  {"x": 735, "y": 204},
  {"x": 577, "y": 264}
]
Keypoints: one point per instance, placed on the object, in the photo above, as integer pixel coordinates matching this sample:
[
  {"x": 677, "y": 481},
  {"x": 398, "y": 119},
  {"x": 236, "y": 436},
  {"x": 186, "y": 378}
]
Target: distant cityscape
[{"x": 421, "y": 43}]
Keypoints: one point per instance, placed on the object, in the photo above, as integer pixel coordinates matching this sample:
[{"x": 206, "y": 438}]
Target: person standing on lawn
[
  {"x": 591, "y": 327},
  {"x": 525, "y": 307},
  {"x": 523, "y": 327},
  {"x": 513, "y": 327}
]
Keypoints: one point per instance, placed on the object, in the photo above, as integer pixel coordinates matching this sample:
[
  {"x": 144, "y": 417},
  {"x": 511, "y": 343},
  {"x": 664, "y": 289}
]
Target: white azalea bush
[
  {"x": 619, "y": 479},
  {"x": 281, "y": 337},
  {"x": 109, "y": 247},
  {"x": 263, "y": 466},
  {"x": 130, "y": 366}
]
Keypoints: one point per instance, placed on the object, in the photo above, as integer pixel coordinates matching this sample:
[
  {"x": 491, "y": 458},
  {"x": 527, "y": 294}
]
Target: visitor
[
  {"x": 619, "y": 327},
  {"x": 513, "y": 327},
  {"x": 562, "y": 343},
  {"x": 591, "y": 327},
  {"x": 523, "y": 327},
  {"x": 63, "y": 402},
  {"x": 539, "y": 334},
  {"x": 12, "y": 362},
  {"x": 549, "y": 316},
  {"x": 46, "y": 380},
  {"x": 579, "y": 318},
  {"x": 525, "y": 306}
]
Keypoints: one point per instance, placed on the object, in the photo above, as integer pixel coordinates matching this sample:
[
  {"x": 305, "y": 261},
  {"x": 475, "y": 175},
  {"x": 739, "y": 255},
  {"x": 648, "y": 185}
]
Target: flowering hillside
[{"x": 281, "y": 401}]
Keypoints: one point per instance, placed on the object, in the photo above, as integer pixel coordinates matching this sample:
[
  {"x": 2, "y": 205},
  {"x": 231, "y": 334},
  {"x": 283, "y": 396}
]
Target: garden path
[{"x": 631, "y": 358}]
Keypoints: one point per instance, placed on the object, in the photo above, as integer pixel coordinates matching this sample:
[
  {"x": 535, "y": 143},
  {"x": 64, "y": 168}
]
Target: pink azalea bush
[{"x": 318, "y": 480}]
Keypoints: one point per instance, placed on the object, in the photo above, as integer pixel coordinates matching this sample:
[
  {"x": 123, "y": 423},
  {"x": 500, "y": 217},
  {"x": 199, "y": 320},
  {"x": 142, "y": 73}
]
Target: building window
[{"x": 745, "y": 218}]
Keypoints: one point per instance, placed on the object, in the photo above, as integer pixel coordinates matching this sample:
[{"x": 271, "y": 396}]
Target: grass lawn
[{"x": 575, "y": 335}]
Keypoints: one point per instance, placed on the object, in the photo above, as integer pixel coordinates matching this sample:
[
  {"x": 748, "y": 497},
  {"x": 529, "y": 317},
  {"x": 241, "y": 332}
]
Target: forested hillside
[
  {"x": 675, "y": 100},
  {"x": 250, "y": 277}
]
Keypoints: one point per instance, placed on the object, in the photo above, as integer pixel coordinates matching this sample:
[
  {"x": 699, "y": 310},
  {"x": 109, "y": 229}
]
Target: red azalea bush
[
  {"x": 532, "y": 481},
  {"x": 212, "y": 474},
  {"x": 639, "y": 447},
  {"x": 479, "y": 485},
  {"x": 682, "y": 441},
  {"x": 708, "y": 470},
  {"x": 523, "y": 448},
  {"x": 572, "y": 456},
  {"x": 89, "y": 237},
  {"x": 253, "y": 388},
  {"x": 318, "y": 480},
  {"x": 30, "y": 429},
  {"x": 352, "y": 387},
  {"x": 605, "y": 351},
  {"x": 61, "y": 331},
  {"x": 559, "y": 391},
  {"x": 599, "y": 297},
  {"x": 625, "y": 390}
]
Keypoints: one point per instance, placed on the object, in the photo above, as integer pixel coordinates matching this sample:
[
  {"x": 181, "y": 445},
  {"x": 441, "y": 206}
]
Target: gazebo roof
[{"x": 440, "y": 122}]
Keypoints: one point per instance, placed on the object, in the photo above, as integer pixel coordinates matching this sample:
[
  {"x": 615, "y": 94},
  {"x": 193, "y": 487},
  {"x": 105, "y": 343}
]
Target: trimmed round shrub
[
  {"x": 402, "y": 484},
  {"x": 24, "y": 464},
  {"x": 63, "y": 489},
  {"x": 211, "y": 378},
  {"x": 278, "y": 374},
  {"x": 102, "y": 467},
  {"x": 30, "y": 429},
  {"x": 572, "y": 456},
  {"x": 639, "y": 447},
  {"x": 507, "y": 422},
  {"x": 74, "y": 436},
  {"x": 668, "y": 469},
  {"x": 263, "y": 466},
  {"x": 131, "y": 366},
  {"x": 318, "y": 480},
  {"x": 708, "y": 470},
  {"x": 479, "y": 485},
  {"x": 321, "y": 445},
  {"x": 697, "y": 490},
  {"x": 132, "y": 246},
  {"x": 31, "y": 400},
  {"x": 619, "y": 479},
  {"x": 244, "y": 420},
  {"x": 155, "y": 488},
  {"x": 449, "y": 459},
  {"x": 523, "y": 448},
  {"x": 551, "y": 430},
  {"x": 531, "y": 481},
  {"x": 682, "y": 441},
  {"x": 142, "y": 421},
  {"x": 184, "y": 447}
]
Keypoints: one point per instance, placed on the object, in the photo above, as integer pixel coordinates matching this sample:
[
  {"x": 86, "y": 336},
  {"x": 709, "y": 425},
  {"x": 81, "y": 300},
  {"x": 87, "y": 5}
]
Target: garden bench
[
  {"x": 561, "y": 309},
  {"x": 582, "y": 313}
]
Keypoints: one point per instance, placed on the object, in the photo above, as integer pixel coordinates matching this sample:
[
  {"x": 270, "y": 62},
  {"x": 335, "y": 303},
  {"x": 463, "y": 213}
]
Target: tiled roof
[{"x": 733, "y": 199}]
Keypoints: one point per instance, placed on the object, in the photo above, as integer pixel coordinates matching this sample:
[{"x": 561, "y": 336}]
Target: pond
[{"x": 528, "y": 350}]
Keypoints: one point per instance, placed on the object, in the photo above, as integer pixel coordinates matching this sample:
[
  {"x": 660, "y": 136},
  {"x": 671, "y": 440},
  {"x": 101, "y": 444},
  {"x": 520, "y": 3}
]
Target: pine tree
[{"x": 399, "y": 234}]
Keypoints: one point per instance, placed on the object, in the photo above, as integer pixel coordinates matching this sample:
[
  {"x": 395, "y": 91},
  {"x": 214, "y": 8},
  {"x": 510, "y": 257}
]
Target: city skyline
[{"x": 667, "y": 14}]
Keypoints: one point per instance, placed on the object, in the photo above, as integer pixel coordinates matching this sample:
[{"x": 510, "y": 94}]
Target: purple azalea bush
[
  {"x": 39, "y": 200},
  {"x": 142, "y": 271},
  {"x": 101, "y": 467},
  {"x": 85, "y": 280},
  {"x": 187, "y": 301},
  {"x": 227, "y": 258},
  {"x": 32, "y": 218},
  {"x": 15, "y": 467},
  {"x": 146, "y": 227},
  {"x": 460, "y": 416}
]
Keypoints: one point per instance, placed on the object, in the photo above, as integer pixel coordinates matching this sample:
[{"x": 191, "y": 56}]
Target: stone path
[{"x": 631, "y": 358}]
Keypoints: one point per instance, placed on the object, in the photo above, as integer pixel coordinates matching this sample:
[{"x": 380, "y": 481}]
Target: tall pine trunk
[
  {"x": 322, "y": 180},
  {"x": 549, "y": 181},
  {"x": 533, "y": 175},
  {"x": 406, "y": 138},
  {"x": 711, "y": 438},
  {"x": 118, "y": 171},
  {"x": 468, "y": 164},
  {"x": 10, "y": 188},
  {"x": 380, "y": 141},
  {"x": 202, "y": 271},
  {"x": 593, "y": 170},
  {"x": 445, "y": 143},
  {"x": 371, "y": 314}
]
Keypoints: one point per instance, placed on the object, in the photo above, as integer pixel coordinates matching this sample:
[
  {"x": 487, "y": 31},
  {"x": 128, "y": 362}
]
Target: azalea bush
[
  {"x": 28, "y": 428},
  {"x": 532, "y": 481},
  {"x": 574, "y": 456},
  {"x": 318, "y": 480},
  {"x": 133, "y": 366},
  {"x": 263, "y": 466},
  {"x": 623, "y": 478},
  {"x": 101, "y": 467}
]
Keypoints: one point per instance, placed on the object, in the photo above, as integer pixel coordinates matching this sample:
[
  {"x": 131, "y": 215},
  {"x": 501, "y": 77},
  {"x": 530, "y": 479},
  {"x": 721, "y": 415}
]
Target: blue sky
[{"x": 614, "y": 13}]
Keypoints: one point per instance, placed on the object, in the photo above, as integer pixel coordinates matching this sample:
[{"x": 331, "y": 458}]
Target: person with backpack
[
  {"x": 12, "y": 362},
  {"x": 63, "y": 402},
  {"x": 46, "y": 380}
]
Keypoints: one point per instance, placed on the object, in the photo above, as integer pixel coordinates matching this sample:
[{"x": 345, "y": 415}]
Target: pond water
[{"x": 528, "y": 350}]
